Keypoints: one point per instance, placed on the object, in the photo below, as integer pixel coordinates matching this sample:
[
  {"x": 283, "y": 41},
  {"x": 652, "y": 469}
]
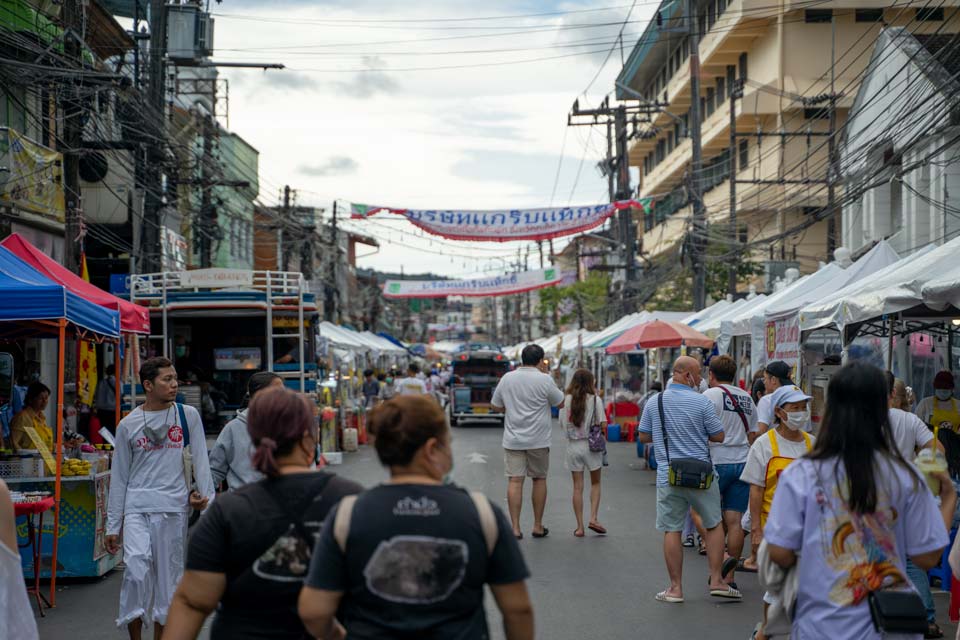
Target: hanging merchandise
[
  {"x": 508, "y": 224},
  {"x": 509, "y": 284}
]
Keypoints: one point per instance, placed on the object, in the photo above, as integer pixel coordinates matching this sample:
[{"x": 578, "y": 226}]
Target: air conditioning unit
[
  {"x": 189, "y": 33},
  {"x": 107, "y": 187}
]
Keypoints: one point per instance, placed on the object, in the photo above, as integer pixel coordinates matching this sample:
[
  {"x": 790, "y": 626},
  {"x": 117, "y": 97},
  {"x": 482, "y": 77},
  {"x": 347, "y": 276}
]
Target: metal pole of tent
[
  {"x": 269, "y": 323},
  {"x": 303, "y": 364},
  {"x": 117, "y": 377},
  {"x": 890, "y": 332},
  {"x": 61, "y": 342}
]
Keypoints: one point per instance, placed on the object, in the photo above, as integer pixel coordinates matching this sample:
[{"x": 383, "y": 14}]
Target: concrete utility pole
[
  {"x": 332, "y": 308},
  {"x": 698, "y": 244},
  {"x": 72, "y": 110},
  {"x": 150, "y": 254},
  {"x": 207, "y": 226},
  {"x": 628, "y": 232},
  {"x": 832, "y": 145},
  {"x": 285, "y": 261},
  {"x": 736, "y": 91}
]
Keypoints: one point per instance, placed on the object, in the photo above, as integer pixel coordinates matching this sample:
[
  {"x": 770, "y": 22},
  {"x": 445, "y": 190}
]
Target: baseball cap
[
  {"x": 943, "y": 380},
  {"x": 781, "y": 370},
  {"x": 788, "y": 393}
]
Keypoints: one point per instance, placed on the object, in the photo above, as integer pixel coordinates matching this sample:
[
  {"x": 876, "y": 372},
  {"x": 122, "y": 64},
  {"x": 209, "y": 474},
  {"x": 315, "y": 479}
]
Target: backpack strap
[
  {"x": 736, "y": 407},
  {"x": 341, "y": 524},
  {"x": 183, "y": 425},
  {"x": 488, "y": 520}
]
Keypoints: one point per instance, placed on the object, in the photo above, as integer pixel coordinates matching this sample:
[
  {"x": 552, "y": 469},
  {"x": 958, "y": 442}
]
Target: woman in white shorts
[{"x": 581, "y": 409}]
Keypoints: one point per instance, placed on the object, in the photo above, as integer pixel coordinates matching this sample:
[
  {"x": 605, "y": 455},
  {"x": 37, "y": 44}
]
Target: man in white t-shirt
[
  {"x": 773, "y": 452},
  {"x": 775, "y": 375},
  {"x": 151, "y": 496},
  {"x": 525, "y": 396},
  {"x": 412, "y": 385},
  {"x": 738, "y": 415}
]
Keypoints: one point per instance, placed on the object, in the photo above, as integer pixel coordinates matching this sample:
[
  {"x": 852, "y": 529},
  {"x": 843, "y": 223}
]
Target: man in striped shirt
[{"x": 691, "y": 423}]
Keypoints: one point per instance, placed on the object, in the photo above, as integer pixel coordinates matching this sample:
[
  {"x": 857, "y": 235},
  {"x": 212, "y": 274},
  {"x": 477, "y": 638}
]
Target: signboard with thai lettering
[{"x": 216, "y": 278}]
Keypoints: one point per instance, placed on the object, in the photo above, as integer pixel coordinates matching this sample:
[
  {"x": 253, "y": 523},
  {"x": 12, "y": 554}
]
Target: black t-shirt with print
[
  {"x": 261, "y": 537},
  {"x": 415, "y": 564}
]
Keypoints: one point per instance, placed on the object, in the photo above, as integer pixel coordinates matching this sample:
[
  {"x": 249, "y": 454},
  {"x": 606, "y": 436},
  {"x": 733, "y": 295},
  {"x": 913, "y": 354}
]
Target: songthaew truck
[{"x": 476, "y": 371}]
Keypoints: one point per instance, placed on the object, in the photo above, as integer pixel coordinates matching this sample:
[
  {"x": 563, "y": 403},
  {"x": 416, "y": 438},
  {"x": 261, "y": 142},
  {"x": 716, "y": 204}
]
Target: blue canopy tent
[{"x": 33, "y": 306}]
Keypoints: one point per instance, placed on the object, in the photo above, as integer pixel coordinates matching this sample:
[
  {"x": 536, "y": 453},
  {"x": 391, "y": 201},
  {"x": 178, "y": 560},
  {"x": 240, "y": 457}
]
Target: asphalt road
[{"x": 582, "y": 588}]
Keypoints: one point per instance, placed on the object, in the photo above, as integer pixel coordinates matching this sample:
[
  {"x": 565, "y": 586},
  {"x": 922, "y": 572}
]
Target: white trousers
[{"x": 154, "y": 546}]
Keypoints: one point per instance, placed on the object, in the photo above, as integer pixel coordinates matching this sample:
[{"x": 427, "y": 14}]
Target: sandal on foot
[
  {"x": 727, "y": 592},
  {"x": 741, "y": 566},
  {"x": 688, "y": 541},
  {"x": 729, "y": 566},
  {"x": 595, "y": 527},
  {"x": 578, "y": 533},
  {"x": 933, "y": 631},
  {"x": 663, "y": 596},
  {"x": 519, "y": 536},
  {"x": 542, "y": 534}
]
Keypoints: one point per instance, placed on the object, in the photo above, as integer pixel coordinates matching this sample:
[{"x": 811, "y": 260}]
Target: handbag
[
  {"x": 688, "y": 473},
  {"x": 595, "y": 440}
]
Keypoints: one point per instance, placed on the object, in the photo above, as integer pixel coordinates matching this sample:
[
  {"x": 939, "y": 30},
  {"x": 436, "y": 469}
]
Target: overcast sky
[{"x": 356, "y": 117}]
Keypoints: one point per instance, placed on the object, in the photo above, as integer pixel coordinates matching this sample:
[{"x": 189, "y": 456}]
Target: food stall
[{"x": 47, "y": 309}]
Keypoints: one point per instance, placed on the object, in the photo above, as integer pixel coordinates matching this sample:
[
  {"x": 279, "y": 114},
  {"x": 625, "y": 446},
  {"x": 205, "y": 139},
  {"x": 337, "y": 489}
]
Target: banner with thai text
[
  {"x": 783, "y": 339},
  {"x": 507, "y": 224},
  {"x": 505, "y": 285}
]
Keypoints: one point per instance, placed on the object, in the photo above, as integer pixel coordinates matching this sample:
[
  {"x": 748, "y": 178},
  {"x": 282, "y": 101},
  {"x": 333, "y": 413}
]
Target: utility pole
[
  {"x": 207, "y": 226},
  {"x": 540, "y": 307},
  {"x": 285, "y": 261},
  {"x": 832, "y": 146},
  {"x": 628, "y": 234},
  {"x": 332, "y": 311},
  {"x": 150, "y": 253},
  {"x": 579, "y": 301},
  {"x": 699, "y": 241},
  {"x": 72, "y": 110},
  {"x": 736, "y": 91}
]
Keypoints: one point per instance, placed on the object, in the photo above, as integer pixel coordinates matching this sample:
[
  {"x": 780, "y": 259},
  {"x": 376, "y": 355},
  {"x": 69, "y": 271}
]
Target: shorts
[
  {"x": 579, "y": 456},
  {"x": 673, "y": 503},
  {"x": 532, "y": 463},
  {"x": 745, "y": 523},
  {"x": 154, "y": 547},
  {"x": 734, "y": 492}
]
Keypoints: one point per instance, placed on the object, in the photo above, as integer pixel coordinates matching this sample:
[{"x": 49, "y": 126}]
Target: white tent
[
  {"x": 928, "y": 280},
  {"x": 782, "y": 314},
  {"x": 711, "y": 325},
  {"x": 705, "y": 314},
  {"x": 384, "y": 345}
]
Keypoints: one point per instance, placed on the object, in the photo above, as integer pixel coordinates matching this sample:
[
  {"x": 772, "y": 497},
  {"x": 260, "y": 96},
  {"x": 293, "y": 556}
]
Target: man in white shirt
[
  {"x": 412, "y": 385},
  {"x": 151, "y": 497},
  {"x": 526, "y": 395},
  {"x": 775, "y": 375},
  {"x": 738, "y": 415}
]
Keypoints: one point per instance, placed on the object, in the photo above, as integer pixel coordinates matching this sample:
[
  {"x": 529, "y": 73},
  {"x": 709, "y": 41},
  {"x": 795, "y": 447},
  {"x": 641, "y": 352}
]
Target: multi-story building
[{"x": 785, "y": 55}]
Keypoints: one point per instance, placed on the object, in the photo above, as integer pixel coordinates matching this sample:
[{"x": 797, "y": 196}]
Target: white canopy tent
[
  {"x": 705, "y": 314},
  {"x": 711, "y": 326}
]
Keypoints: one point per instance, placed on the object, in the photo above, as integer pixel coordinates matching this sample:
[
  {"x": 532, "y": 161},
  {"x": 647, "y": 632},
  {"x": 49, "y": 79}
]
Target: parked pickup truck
[{"x": 476, "y": 372}]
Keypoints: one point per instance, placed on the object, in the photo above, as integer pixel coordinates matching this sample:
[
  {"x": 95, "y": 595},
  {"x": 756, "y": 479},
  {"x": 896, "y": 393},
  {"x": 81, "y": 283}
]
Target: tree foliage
[{"x": 589, "y": 297}]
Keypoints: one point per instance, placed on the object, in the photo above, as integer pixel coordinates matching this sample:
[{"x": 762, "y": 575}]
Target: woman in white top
[
  {"x": 581, "y": 409},
  {"x": 15, "y": 610}
]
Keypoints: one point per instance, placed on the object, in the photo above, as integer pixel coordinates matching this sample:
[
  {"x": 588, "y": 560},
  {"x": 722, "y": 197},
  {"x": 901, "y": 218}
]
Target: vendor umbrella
[{"x": 656, "y": 334}]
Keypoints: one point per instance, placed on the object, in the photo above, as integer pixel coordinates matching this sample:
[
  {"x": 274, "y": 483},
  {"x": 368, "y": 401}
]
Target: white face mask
[
  {"x": 797, "y": 420},
  {"x": 943, "y": 394}
]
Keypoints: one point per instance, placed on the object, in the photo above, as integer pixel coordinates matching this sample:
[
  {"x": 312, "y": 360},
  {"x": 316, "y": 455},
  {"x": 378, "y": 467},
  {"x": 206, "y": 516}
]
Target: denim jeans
[{"x": 921, "y": 581}]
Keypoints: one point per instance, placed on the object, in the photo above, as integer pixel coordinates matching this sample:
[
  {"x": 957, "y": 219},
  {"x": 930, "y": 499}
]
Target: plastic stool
[{"x": 613, "y": 433}]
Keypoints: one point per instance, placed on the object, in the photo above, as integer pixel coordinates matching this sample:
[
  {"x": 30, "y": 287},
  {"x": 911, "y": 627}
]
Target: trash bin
[{"x": 613, "y": 433}]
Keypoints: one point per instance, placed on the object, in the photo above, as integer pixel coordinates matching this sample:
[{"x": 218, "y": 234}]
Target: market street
[{"x": 581, "y": 588}]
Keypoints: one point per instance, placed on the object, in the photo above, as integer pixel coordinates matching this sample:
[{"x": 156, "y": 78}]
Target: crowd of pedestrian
[{"x": 840, "y": 526}]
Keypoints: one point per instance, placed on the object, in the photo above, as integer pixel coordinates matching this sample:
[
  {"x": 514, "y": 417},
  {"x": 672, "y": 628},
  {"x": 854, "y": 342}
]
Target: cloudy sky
[{"x": 440, "y": 104}]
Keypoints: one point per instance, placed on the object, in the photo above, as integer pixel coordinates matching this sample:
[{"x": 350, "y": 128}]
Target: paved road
[{"x": 582, "y": 588}]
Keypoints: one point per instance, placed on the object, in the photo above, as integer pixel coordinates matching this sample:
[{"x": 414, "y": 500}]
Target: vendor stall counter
[{"x": 83, "y": 521}]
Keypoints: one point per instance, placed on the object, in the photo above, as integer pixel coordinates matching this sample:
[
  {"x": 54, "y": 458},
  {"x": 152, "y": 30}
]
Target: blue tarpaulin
[{"x": 26, "y": 295}]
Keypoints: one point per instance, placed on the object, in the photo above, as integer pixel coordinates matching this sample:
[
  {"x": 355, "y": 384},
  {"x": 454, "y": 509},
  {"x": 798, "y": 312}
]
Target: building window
[
  {"x": 742, "y": 63},
  {"x": 744, "y": 155},
  {"x": 685, "y": 48},
  {"x": 816, "y": 113},
  {"x": 711, "y": 15},
  {"x": 869, "y": 15},
  {"x": 731, "y": 78},
  {"x": 721, "y": 6},
  {"x": 812, "y": 16},
  {"x": 709, "y": 100},
  {"x": 721, "y": 91},
  {"x": 646, "y": 165},
  {"x": 930, "y": 15}
]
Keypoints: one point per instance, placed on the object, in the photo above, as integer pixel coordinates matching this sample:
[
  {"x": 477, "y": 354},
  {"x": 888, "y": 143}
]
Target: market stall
[{"x": 46, "y": 309}]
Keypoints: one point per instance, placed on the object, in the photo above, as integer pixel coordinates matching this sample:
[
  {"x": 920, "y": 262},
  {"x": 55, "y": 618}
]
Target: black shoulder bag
[{"x": 688, "y": 473}]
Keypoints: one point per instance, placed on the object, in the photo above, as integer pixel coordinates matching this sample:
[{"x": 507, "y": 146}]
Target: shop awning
[
  {"x": 133, "y": 317},
  {"x": 30, "y": 297}
]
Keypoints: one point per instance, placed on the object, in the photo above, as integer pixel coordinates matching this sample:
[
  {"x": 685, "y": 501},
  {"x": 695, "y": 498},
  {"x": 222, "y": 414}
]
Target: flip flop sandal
[
  {"x": 663, "y": 596},
  {"x": 702, "y": 549},
  {"x": 742, "y": 567},
  {"x": 729, "y": 566},
  {"x": 597, "y": 528},
  {"x": 545, "y": 533},
  {"x": 933, "y": 631},
  {"x": 519, "y": 536},
  {"x": 688, "y": 542},
  {"x": 579, "y": 535},
  {"x": 729, "y": 592}
]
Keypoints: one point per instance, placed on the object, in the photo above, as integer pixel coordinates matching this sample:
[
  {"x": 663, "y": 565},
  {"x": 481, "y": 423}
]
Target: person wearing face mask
[
  {"x": 941, "y": 409},
  {"x": 249, "y": 554},
  {"x": 410, "y": 558},
  {"x": 769, "y": 455}
]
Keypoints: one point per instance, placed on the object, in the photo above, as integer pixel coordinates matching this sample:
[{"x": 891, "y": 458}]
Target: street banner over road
[
  {"x": 507, "y": 224},
  {"x": 505, "y": 285}
]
